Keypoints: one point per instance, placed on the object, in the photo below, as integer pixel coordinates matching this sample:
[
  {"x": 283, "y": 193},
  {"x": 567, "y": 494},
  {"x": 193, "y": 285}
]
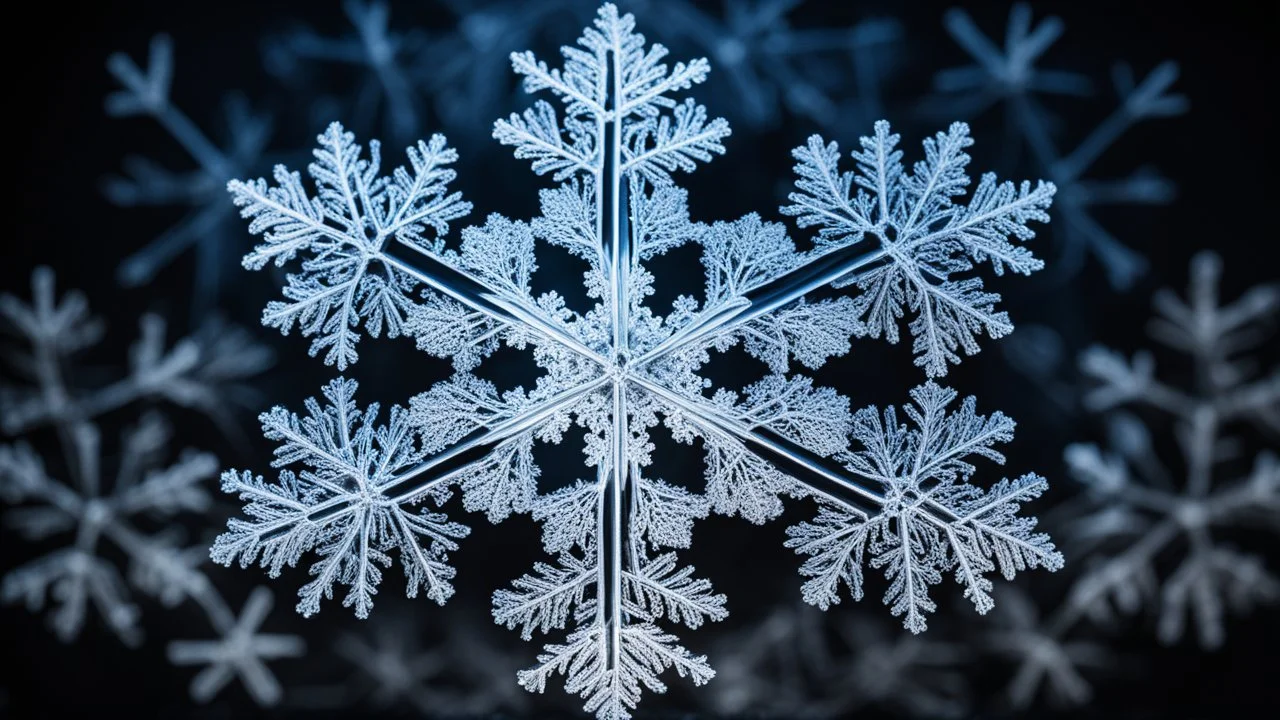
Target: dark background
[{"x": 1220, "y": 156}]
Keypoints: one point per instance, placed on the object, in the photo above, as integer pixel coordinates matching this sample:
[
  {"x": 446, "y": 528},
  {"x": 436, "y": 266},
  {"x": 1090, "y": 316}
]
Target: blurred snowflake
[
  {"x": 770, "y": 65},
  {"x": 798, "y": 662},
  {"x": 200, "y": 373},
  {"x": 1138, "y": 516},
  {"x": 468, "y": 69},
  {"x": 399, "y": 663},
  {"x": 1012, "y": 77},
  {"x": 146, "y": 92},
  {"x": 384, "y": 57},
  {"x": 462, "y": 70}
]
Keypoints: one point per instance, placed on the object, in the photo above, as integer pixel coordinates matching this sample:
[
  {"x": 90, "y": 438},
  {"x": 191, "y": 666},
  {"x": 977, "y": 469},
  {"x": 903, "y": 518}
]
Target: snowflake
[
  {"x": 1143, "y": 518},
  {"x": 374, "y": 255},
  {"x": 240, "y": 651},
  {"x": 146, "y": 92},
  {"x": 200, "y": 372},
  {"x": 773, "y": 666},
  {"x": 385, "y": 56},
  {"x": 1012, "y": 76},
  {"x": 1043, "y": 653},
  {"x": 464, "y": 70},
  {"x": 467, "y": 70},
  {"x": 462, "y": 674},
  {"x": 792, "y": 664},
  {"x": 772, "y": 65}
]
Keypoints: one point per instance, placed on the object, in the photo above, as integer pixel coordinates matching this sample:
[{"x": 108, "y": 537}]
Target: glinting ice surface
[{"x": 374, "y": 256}]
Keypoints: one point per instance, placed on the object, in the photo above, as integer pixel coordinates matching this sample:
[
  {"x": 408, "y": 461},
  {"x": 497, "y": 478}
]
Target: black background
[{"x": 1220, "y": 155}]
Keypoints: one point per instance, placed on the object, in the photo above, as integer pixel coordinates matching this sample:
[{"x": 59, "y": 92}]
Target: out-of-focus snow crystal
[
  {"x": 1011, "y": 76},
  {"x": 146, "y": 183},
  {"x": 89, "y": 515}
]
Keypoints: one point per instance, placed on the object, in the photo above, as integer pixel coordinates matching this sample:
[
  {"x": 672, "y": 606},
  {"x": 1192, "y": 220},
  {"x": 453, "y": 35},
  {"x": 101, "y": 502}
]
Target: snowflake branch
[{"x": 820, "y": 269}]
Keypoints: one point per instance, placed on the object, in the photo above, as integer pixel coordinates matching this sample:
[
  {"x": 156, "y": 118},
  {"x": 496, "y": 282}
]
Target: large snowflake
[{"x": 374, "y": 257}]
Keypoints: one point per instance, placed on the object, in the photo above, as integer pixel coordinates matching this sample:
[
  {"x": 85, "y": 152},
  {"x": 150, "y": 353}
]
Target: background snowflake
[
  {"x": 1153, "y": 536},
  {"x": 200, "y": 373},
  {"x": 1010, "y": 76},
  {"x": 146, "y": 92}
]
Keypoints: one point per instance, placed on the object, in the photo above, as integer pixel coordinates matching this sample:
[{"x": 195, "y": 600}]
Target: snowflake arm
[
  {"x": 931, "y": 519},
  {"x": 924, "y": 238},
  {"x": 241, "y": 651},
  {"x": 352, "y": 463}
]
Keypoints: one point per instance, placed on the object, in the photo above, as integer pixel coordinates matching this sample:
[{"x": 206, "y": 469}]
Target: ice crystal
[
  {"x": 400, "y": 662},
  {"x": 1215, "y": 492},
  {"x": 770, "y": 64},
  {"x": 798, "y": 663},
  {"x": 99, "y": 512},
  {"x": 463, "y": 71},
  {"x": 1043, "y": 653},
  {"x": 374, "y": 256},
  {"x": 1011, "y": 76},
  {"x": 386, "y": 56},
  {"x": 239, "y": 652},
  {"x": 467, "y": 69},
  {"x": 1145, "y": 517},
  {"x": 146, "y": 92}
]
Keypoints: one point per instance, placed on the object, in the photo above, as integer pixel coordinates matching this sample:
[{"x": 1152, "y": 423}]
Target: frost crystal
[
  {"x": 1145, "y": 511},
  {"x": 1147, "y": 517},
  {"x": 771, "y": 64},
  {"x": 384, "y": 54},
  {"x": 374, "y": 256},
  {"x": 98, "y": 511},
  {"x": 1012, "y": 76},
  {"x": 146, "y": 92}
]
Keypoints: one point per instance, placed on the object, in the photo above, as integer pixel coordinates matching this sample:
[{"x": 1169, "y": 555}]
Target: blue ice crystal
[{"x": 357, "y": 485}]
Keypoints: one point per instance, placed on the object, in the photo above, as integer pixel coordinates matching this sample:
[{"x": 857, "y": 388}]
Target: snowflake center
[
  {"x": 618, "y": 370},
  {"x": 96, "y": 513},
  {"x": 1191, "y": 514},
  {"x": 896, "y": 500}
]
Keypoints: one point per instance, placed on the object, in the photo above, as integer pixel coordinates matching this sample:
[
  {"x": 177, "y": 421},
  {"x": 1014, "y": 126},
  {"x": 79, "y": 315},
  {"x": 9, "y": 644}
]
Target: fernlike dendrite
[{"x": 375, "y": 256}]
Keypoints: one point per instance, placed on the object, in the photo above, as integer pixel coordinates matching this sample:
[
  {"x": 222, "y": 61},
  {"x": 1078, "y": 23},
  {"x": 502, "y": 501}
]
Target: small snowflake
[
  {"x": 98, "y": 511},
  {"x": 146, "y": 92},
  {"x": 386, "y": 57},
  {"x": 771, "y": 64},
  {"x": 240, "y": 651},
  {"x": 1136, "y": 486},
  {"x": 1140, "y": 515},
  {"x": 1011, "y": 76},
  {"x": 393, "y": 667},
  {"x": 798, "y": 662},
  {"x": 374, "y": 255}
]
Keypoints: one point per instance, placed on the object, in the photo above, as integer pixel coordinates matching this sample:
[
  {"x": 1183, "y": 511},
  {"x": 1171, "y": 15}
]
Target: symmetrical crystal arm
[
  {"x": 822, "y": 269},
  {"x": 826, "y": 482},
  {"x": 470, "y": 291}
]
